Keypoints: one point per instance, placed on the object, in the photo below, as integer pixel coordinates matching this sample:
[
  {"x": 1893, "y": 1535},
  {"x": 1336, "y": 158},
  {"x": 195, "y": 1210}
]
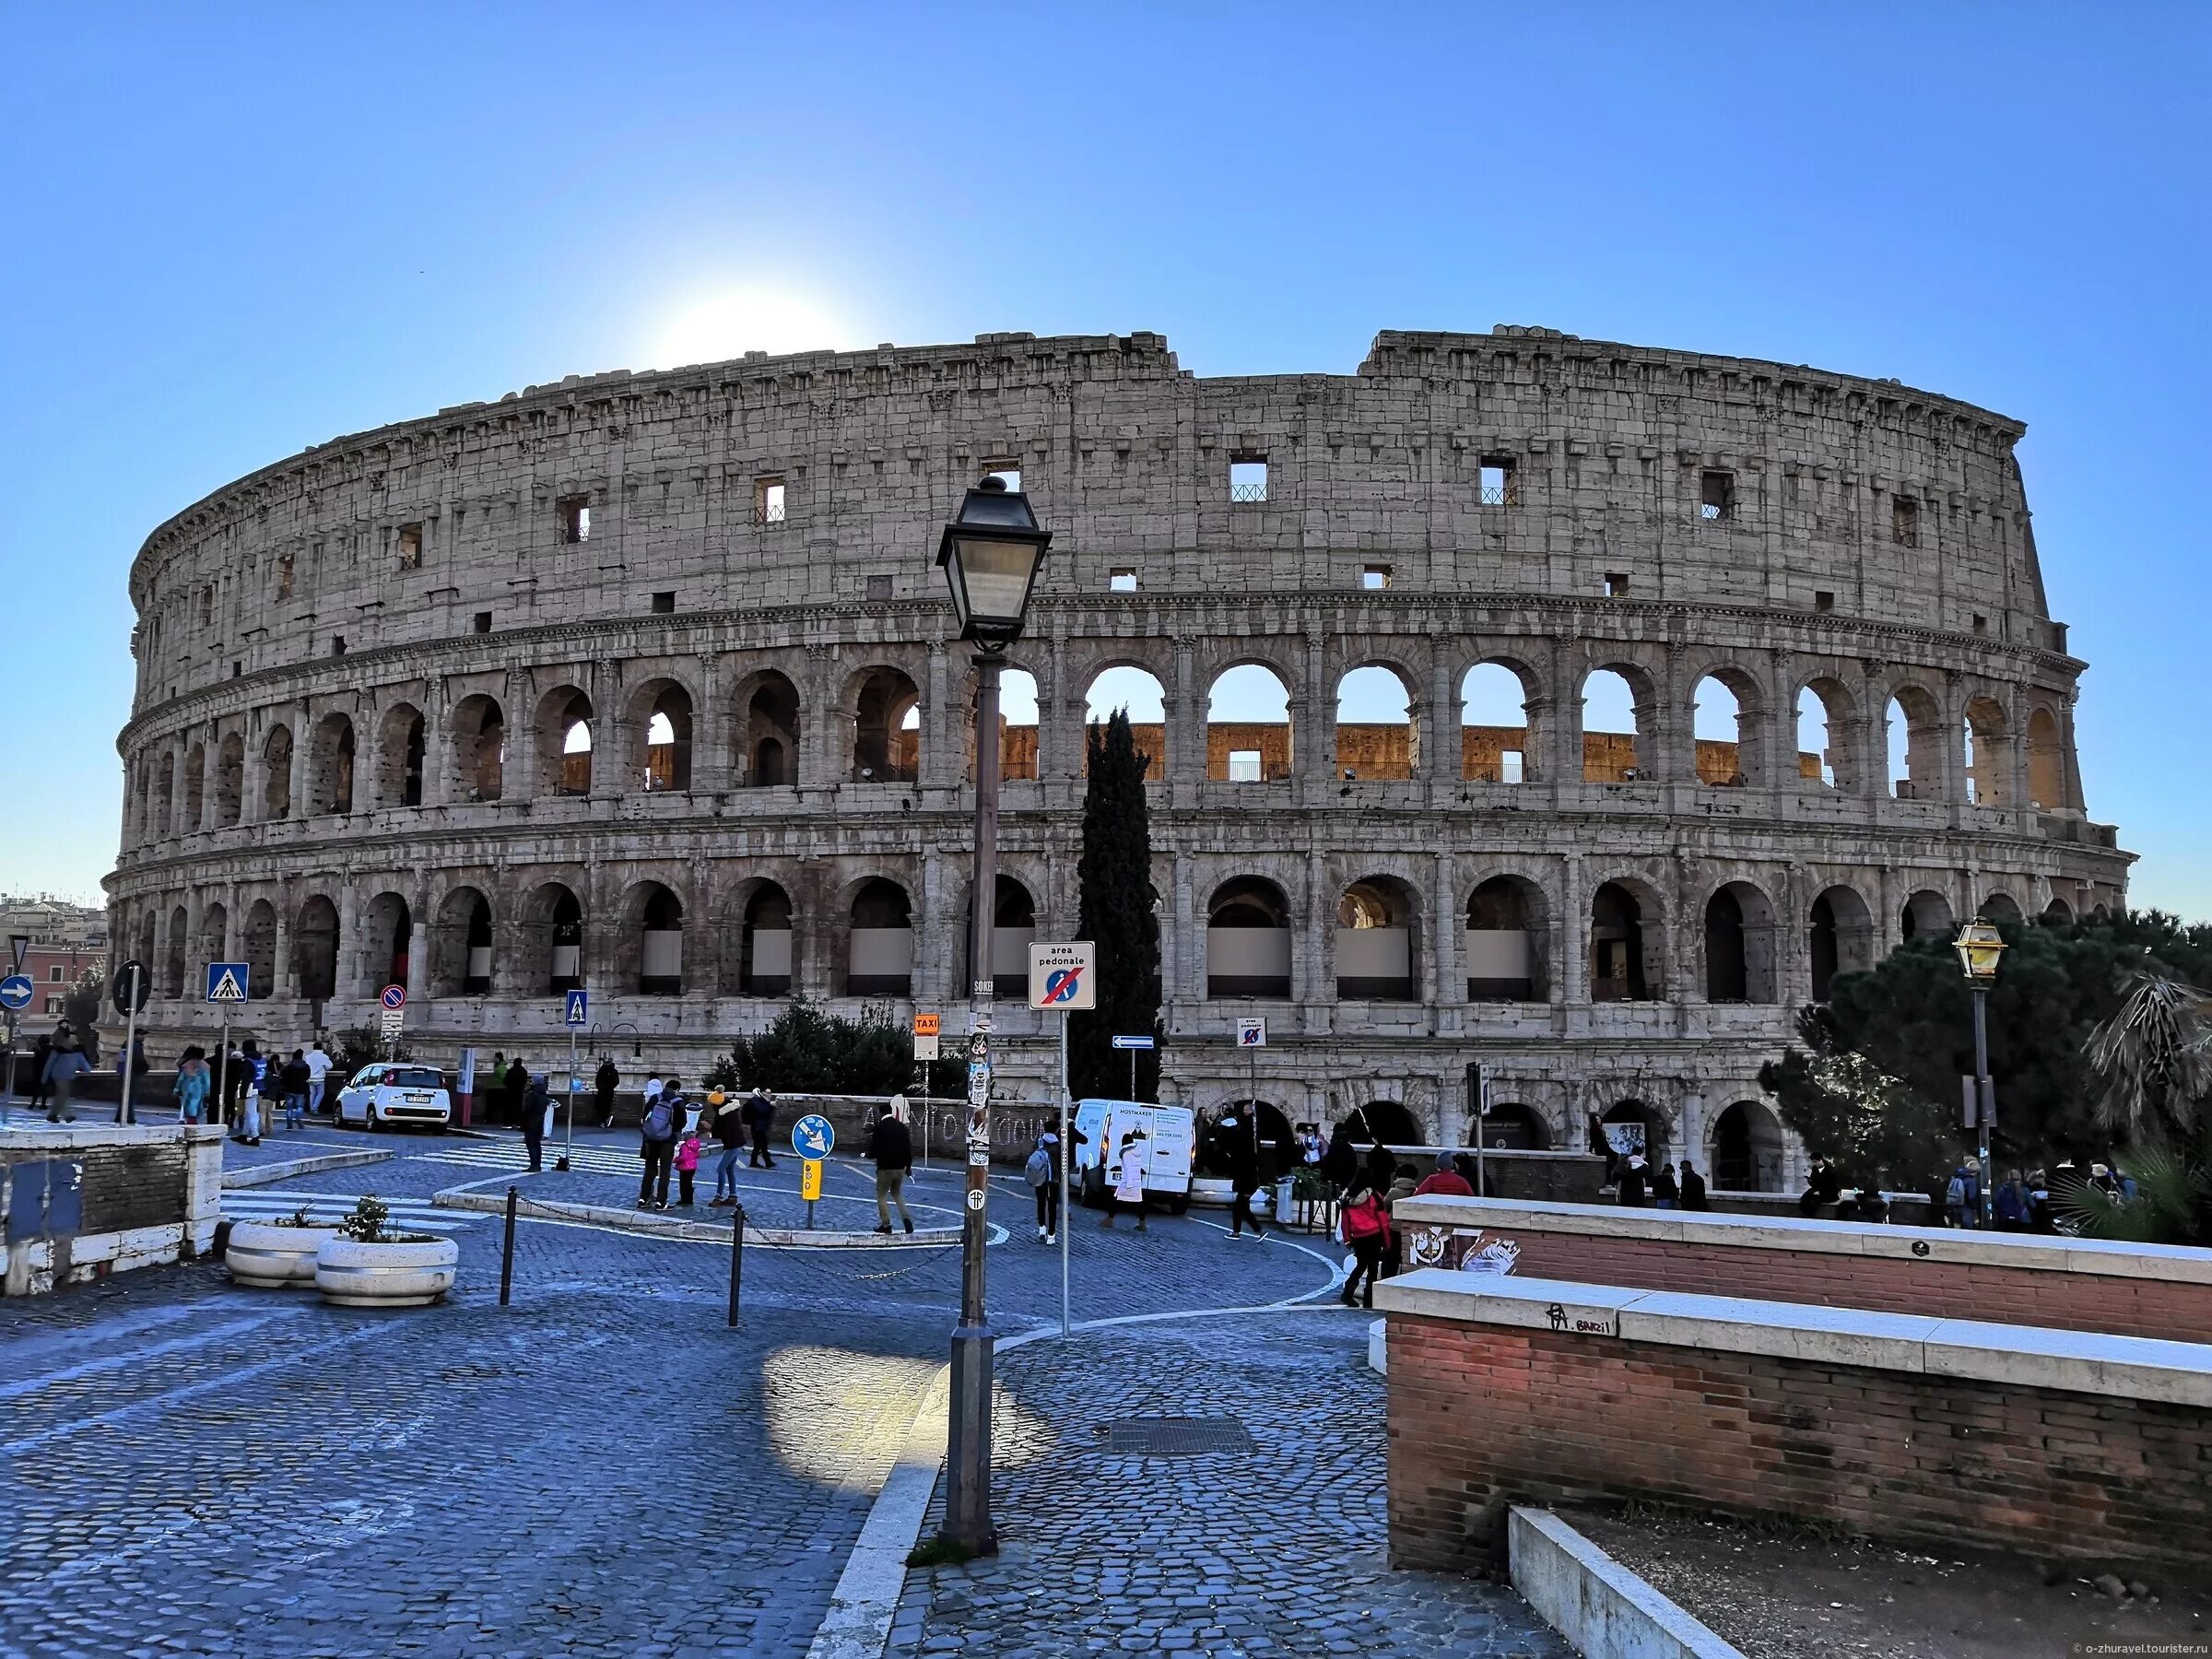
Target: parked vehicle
[
  {"x": 384, "y": 1096},
  {"x": 1171, "y": 1134}
]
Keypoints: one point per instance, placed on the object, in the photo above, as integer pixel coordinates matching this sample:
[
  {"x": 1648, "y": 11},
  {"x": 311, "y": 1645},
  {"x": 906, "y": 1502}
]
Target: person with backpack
[
  {"x": 1043, "y": 1173},
  {"x": 760, "y": 1115},
  {"x": 1962, "y": 1196},
  {"x": 656, "y": 1146},
  {"x": 605, "y": 1080},
  {"x": 1364, "y": 1225},
  {"x": 727, "y": 1127},
  {"x": 893, "y": 1149}
]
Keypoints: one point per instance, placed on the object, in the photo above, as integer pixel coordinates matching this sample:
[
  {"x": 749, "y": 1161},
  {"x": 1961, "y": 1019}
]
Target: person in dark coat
[
  {"x": 1340, "y": 1163},
  {"x": 537, "y": 1100},
  {"x": 1634, "y": 1192},
  {"x": 514, "y": 1086},
  {"x": 1237, "y": 1143},
  {"x": 1664, "y": 1191},
  {"x": 605, "y": 1080},
  {"x": 760, "y": 1117},
  {"x": 893, "y": 1149},
  {"x": 41, "y": 1051},
  {"x": 1693, "y": 1187},
  {"x": 1822, "y": 1185}
]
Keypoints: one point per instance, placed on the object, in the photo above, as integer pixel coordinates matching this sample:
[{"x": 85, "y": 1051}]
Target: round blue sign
[
  {"x": 812, "y": 1137},
  {"x": 15, "y": 991}
]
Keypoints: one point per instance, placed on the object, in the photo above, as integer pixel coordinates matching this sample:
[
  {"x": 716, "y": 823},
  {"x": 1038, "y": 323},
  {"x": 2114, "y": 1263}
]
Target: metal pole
[
  {"x": 967, "y": 1491},
  {"x": 1983, "y": 1112},
  {"x": 736, "y": 1258},
  {"x": 1131, "y": 1074},
  {"x": 222, "y": 1065},
  {"x": 7, "y": 1082},
  {"x": 568, "y": 1149},
  {"x": 130, "y": 1041},
  {"x": 1482, "y": 1179},
  {"x": 507, "y": 1253},
  {"x": 1060, "y": 1211}
]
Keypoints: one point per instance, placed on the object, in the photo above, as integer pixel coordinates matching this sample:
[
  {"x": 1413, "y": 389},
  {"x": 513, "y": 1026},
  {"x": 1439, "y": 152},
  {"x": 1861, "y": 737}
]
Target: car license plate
[{"x": 416, "y": 1098}]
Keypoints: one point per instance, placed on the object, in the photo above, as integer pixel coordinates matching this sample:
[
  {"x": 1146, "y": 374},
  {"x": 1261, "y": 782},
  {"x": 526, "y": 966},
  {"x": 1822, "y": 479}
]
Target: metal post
[
  {"x": 7, "y": 1081},
  {"x": 222, "y": 1065},
  {"x": 130, "y": 1042},
  {"x": 507, "y": 1253},
  {"x": 1060, "y": 1212},
  {"x": 1132, "y": 1073},
  {"x": 1983, "y": 1110},
  {"x": 967, "y": 1491},
  {"x": 736, "y": 1258},
  {"x": 1482, "y": 1092},
  {"x": 568, "y": 1149}
]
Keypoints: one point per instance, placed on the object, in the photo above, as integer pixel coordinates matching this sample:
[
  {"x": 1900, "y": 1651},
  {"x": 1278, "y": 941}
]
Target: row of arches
[{"x": 1248, "y": 733}]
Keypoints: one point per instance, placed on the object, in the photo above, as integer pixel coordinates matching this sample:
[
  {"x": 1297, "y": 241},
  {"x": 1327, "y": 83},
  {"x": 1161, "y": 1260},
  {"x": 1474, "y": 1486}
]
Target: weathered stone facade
[{"x": 362, "y": 671}]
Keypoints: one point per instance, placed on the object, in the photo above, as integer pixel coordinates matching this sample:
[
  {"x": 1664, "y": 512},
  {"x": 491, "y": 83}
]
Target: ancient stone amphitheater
[{"x": 643, "y": 683}]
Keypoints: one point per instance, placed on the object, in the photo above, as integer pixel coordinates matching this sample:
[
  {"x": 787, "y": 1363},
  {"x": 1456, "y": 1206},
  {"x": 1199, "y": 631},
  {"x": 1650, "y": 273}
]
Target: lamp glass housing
[
  {"x": 990, "y": 556},
  {"x": 1979, "y": 947}
]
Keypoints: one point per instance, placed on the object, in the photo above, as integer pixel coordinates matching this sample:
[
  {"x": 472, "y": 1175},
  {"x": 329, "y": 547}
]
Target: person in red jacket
[{"x": 1447, "y": 1179}]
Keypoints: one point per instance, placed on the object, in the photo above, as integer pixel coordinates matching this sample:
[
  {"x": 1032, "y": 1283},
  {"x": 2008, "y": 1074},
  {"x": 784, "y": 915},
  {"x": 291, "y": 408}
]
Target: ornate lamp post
[
  {"x": 1979, "y": 947},
  {"x": 990, "y": 556}
]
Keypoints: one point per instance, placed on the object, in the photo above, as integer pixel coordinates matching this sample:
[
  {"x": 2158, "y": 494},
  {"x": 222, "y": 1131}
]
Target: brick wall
[
  {"x": 1481, "y": 1417},
  {"x": 95, "y": 1199}
]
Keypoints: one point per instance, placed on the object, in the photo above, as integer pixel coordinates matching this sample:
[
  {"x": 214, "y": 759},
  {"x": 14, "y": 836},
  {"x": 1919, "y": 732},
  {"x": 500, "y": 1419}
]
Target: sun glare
[{"x": 730, "y": 324}]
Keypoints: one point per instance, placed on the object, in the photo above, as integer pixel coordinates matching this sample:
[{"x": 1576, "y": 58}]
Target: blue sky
[{"x": 241, "y": 231}]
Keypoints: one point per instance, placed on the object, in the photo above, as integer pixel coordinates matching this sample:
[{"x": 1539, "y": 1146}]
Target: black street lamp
[
  {"x": 990, "y": 556},
  {"x": 1979, "y": 946}
]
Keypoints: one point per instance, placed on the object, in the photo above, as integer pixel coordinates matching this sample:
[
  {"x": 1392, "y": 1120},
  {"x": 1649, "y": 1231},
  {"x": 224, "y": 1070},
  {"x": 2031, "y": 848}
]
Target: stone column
[
  {"x": 420, "y": 936},
  {"x": 1571, "y": 977},
  {"x": 437, "y": 742},
  {"x": 933, "y": 967},
  {"x": 302, "y": 738},
  {"x": 1312, "y": 970},
  {"x": 1181, "y": 958},
  {"x": 346, "y": 977},
  {"x": 281, "y": 957},
  {"x": 944, "y": 743},
  {"x": 610, "y": 737},
  {"x": 1185, "y": 722},
  {"x": 1442, "y": 748},
  {"x": 1563, "y": 712},
  {"x": 1314, "y": 723},
  {"x": 1692, "y": 1134},
  {"x": 713, "y": 763},
  {"x": 825, "y": 724},
  {"x": 1446, "y": 984}
]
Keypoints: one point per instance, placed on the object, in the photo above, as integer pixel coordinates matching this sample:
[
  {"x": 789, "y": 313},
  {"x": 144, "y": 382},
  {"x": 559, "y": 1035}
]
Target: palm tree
[
  {"x": 2173, "y": 1204},
  {"x": 2153, "y": 1061}
]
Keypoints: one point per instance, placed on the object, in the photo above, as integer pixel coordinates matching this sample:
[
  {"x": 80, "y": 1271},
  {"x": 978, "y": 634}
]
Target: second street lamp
[
  {"x": 990, "y": 556},
  {"x": 1979, "y": 946}
]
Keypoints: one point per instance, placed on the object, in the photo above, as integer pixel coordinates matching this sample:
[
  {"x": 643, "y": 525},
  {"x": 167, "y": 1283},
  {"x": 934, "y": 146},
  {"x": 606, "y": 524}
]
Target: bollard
[
  {"x": 507, "y": 1253},
  {"x": 736, "y": 1257}
]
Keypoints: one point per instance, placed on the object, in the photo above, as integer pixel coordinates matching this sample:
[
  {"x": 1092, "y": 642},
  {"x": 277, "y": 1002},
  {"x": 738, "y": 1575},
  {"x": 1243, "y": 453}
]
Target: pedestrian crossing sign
[{"x": 226, "y": 982}]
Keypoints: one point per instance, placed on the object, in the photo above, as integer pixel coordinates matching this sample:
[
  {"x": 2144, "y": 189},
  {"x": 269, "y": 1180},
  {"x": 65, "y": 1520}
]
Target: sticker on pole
[
  {"x": 226, "y": 982},
  {"x": 394, "y": 997},
  {"x": 812, "y": 1137},
  {"x": 1062, "y": 976},
  {"x": 975, "y": 1198},
  {"x": 1251, "y": 1033},
  {"x": 16, "y": 991}
]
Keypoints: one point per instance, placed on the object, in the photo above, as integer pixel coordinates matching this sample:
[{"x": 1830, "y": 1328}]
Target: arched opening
[
  {"x": 1510, "y": 1126},
  {"x": 1271, "y": 1138},
  {"x": 479, "y": 730},
  {"x": 215, "y": 935},
  {"x": 1842, "y": 938},
  {"x": 1739, "y": 946},
  {"x": 2058, "y": 913},
  {"x": 1248, "y": 940},
  {"x": 1376, "y": 948},
  {"x": 656, "y": 920},
  {"x": 1914, "y": 728},
  {"x": 1016, "y": 728},
  {"x": 1504, "y": 943},
  {"x": 564, "y": 742},
  {"x": 2046, "y": 762},
  {"x": 887, "y": 728},
  {"x": 1392, "y": 1124},
  {"x": 259, "y": 944},
  {"x": 195, "y": 787},
  {"x": 172, "y": 965},
  {"x": 315, "y": 950},
  {"x": 330, "y": 766},
  {"x": 1497, "y": 739},
  {"x": 1988, "y": 753},
  {"x": 764, "y": 947},
  {"x": 1747, "y": 1149},
  {"x": 552, "y": 939},
  {"x": 1824, "y": 759},
  {"x": 165, "y": 777},
  {"x": 880, "y": 951},
  {"x": 387, "y": 941},
  {"x": 1926, "y": 914},
  {"x": 772, "y": 733},
  {"x": 461, "y": 944},
  {"x": 1013, "y": 926},
  {"x": 2000, "y": 907},
  {"x": 1722, "y": 727},
  {"x": 399, "y": 755},
  {"x": 1630, "y": 1126},
  {"x": 1139, "y": 694},
  {"x": 1247, "y": 736},
  {"x": 1377, "y": 738},
  {"x": 662, "y": 712},
  {"x": 1624, "y": 946},
  {"x": 277, "y": 774},
  {"x": 1611, "y": 729},
  {"x": 229, "y": 779}
]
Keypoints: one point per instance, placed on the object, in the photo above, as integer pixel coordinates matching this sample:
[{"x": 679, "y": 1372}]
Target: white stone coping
[
  {"x": 1596, "y": 1602},
  {"x": 38, "y": 1135},
  {"x": 2088, "y": 1362},
  {"x": 2033, "y": 1252}
]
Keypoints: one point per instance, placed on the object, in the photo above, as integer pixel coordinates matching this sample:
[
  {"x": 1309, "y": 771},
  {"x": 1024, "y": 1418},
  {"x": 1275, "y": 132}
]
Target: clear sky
[{"x": 237, "y": 230}]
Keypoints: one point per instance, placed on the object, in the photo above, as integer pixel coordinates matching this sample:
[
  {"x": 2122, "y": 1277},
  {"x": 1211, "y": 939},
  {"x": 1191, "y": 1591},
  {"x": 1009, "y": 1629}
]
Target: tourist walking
[
  {"x": 41, "y": 1051},
  {"x": 686, "y": 1167},
  {"x": 253, "y": 1068},
  {"x": 514, "y": 1088},
  {"x": 656, "y": 1146},
  {"x": 65, "y": 1063},
  {"x": 728, "y": 1126},
  {"x": 1236, "y": 1137},
  {"x": 760, "y": 1117},
  {"x": 317, "y": 1074},
  {"x": 1043, "y": 1173},
  {"x": 1962, "y": 1196},
  {"x": 193, "y": 1081},
  {"x": 2011, "y": 1201},
  {"x": 1364, "y": 1225},
  {"x": 1129, "y": 1184},
  {"x": 536, "y": 1108},
  {"x": 1693, "y": 1187},
  {"x": 605, "y": 1080},
  {"x": 291, "y": 1086},
  {"x": 893, "y": 1149}
]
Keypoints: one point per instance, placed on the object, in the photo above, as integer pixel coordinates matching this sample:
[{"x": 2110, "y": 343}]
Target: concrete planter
[
  {"x": 414, "y": 1274},
  {"x": 269, "y": 1257}
]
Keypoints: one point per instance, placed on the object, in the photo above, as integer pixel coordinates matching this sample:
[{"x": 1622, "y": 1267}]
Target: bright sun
[{"x": 740, "y": 320}]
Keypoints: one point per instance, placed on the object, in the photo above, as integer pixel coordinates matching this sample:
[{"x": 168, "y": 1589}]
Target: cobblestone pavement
[
  {"x": 602, "y": 1467},
  {"x": 1277, "y": 1550}
]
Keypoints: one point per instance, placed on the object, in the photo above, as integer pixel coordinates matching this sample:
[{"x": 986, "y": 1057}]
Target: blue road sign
[
  {"x": 16, "y": 991},
  {"x": 226, "y": 982},
  {"x": 812, "y": 1137},
  {"x": 1133, "y": 1042},
  {"x": 575, "y": 1010}
]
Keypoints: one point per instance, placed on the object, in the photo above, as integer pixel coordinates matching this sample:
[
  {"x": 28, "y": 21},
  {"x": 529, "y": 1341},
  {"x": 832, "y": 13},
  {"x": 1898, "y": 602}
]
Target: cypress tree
[{"x": 1115, "y": 876}]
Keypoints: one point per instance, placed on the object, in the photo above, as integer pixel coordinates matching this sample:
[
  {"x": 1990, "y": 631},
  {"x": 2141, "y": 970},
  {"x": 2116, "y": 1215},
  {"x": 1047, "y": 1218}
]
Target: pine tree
[{"x": 1115, "y": 876}]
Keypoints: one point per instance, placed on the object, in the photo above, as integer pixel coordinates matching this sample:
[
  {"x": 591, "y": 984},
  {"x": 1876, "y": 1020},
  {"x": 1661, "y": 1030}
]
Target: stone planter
[
  {"x": 412, "y": 1275},
  {"x": 275, "y": 1258}
]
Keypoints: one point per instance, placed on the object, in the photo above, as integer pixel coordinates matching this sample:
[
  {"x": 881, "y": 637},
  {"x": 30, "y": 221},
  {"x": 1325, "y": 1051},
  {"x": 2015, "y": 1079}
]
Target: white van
[{"x": 1170, "y": 1133}]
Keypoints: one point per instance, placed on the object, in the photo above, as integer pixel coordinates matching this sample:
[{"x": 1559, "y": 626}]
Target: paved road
[{"x": 601, "y": 1468}]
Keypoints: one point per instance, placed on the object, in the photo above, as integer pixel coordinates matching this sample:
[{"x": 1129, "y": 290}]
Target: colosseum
[{"x": 646, "y": 683}]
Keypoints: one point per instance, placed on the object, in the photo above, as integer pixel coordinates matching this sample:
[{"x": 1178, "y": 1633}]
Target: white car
[{"x": 378, "y": 1096}]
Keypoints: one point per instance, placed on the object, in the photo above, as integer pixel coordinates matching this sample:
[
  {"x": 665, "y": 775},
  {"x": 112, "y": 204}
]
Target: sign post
[
  {"x": 131, "y": 992},
  {"x": 16, "y": 991},
  {"x": 1063, "y": 979},
  {"x": 575, "y": 1008},
  {"x": 1251, "y": 1036},
  {"x": 227, "y": 983},
  {"x": 812, "y": 1137},
  {"x": 1136, "y": 1045}
]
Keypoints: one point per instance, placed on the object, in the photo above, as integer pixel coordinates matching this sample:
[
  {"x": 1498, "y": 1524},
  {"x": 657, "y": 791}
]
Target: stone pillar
[
  {"x": 1314, "y": 723},
  {"x": 437, "y": 742},
  {"x": 1313, "y": 965},
  {"x": 1445, "y": 983},
  {"x": 1570, "y": 981},
  {"x": 825, "y": 734},
  {"x": 281, "y": 958},
  {"x": 1185, "y": 720},
  {"x": 943, "y": 724},
  {"x": 1564, "y": 712},
  {"x": 347, "y": 973},
  {"x": 1691, "y": 1131},
  {"x": 1442, "y": 748},
  {"x": 933, "y": 967},
  {"x": 302, "y": 738},
  {"x": 419, "y": 944},
  {"x": 712, "y": 767},
  {"x": 610, "y": 740},
  {"x": 1181, "y": 958}
]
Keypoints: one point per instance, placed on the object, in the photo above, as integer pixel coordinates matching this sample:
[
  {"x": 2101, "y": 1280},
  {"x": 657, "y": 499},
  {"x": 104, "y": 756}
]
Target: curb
[
  {"x": 1597, "y": 1604},
  {"x": 657, "y": 1224},
  {"x": 265, "y": 1175}
]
